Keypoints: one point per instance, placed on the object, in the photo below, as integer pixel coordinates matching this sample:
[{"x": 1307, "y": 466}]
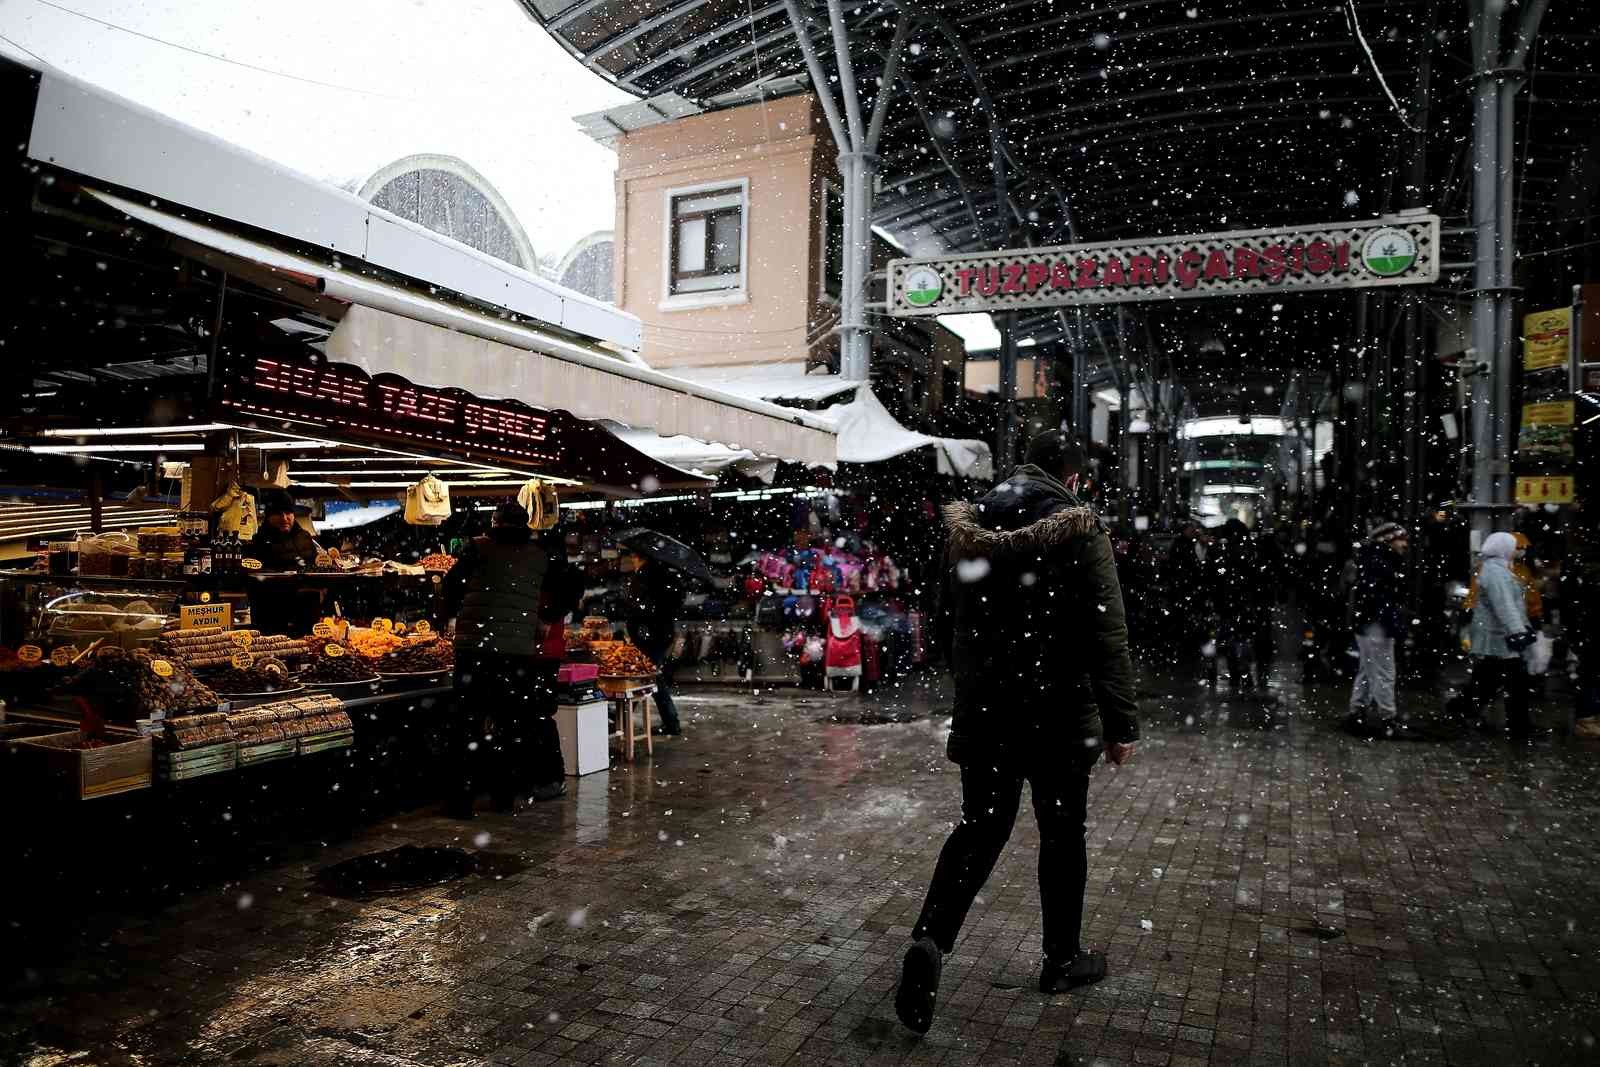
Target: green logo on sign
[
  {"x": 1389, "y": 252},
  {"x": 923, "y": 286}
]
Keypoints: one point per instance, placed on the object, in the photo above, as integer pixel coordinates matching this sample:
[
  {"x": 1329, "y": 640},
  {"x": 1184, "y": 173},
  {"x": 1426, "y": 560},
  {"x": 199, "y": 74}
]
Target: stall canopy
[
  {"x": 404, "y": 301},
  {"x": 783, "y": 382}
]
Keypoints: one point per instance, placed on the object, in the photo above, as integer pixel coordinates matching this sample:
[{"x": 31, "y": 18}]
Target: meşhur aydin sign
[{"x": 1398, "y": 250}]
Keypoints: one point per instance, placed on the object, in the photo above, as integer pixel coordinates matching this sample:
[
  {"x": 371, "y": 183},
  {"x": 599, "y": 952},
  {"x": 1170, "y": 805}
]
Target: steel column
[
  {"x": 1489, "y": 466},
  {"x": 1006, "y": 452}
]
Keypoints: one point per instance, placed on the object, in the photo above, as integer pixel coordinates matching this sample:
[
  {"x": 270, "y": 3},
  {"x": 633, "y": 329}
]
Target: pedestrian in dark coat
[
  {"x": 1380, "y": 618},
  {"x": 1044, "y": 686},
  {"x": 1233, "y": 571},
  {"x": 496, "y": 594}
]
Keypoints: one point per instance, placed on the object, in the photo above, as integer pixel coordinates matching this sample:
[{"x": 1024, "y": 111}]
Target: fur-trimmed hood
[{"x": 970, "y": 537}]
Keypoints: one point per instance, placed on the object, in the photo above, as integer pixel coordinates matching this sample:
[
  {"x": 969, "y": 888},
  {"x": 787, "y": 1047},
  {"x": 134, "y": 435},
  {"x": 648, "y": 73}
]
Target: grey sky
[{"x": 476, "y": 79}]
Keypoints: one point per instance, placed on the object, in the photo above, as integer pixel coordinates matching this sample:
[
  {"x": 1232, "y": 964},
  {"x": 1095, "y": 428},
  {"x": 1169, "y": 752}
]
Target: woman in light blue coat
[{"x": 1500, "y": 631}]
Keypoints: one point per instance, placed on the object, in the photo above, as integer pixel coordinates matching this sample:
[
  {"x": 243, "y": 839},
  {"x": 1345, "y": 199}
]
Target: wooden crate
[
  {"x": 198, "y": 762},
  {"x": 83, "y": 774},
  {"x": 618, "y": 685}
]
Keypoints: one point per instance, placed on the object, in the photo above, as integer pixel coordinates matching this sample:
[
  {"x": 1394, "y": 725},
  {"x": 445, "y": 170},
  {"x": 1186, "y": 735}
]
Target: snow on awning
[
  {"x": 869, "y": 434},
  {"x": 391, "y": 330},
  {"x": 768, "y": 381},
  {"x": 697, "y": 457}
]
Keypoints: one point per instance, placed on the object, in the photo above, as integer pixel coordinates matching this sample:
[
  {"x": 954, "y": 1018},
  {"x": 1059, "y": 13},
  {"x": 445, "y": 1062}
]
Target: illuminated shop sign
[{"x": 1402, "y": 250}]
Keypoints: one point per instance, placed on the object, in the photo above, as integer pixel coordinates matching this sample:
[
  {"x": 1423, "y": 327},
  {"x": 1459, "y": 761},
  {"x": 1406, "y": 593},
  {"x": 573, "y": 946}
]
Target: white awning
[
  {"x": 698, "y": 457},
  {"x": 429, "y": 342}
]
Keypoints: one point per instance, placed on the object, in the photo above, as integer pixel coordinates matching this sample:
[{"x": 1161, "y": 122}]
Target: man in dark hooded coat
[{"x": 1044, "y": 685}]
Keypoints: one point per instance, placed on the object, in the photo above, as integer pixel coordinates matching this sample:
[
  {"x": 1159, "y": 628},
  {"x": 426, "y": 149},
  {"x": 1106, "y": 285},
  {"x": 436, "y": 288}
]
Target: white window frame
[{"x": 738, "y": 294}]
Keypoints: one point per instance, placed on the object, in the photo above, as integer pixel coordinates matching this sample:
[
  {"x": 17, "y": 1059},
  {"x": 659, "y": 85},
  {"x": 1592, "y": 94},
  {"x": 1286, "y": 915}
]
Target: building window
[
  {"x": 832, "y": 241},
  {"x": 707, "y": 247}
]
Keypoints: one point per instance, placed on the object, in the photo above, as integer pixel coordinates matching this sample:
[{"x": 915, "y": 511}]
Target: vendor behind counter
[{"x": 282, "y": 544}]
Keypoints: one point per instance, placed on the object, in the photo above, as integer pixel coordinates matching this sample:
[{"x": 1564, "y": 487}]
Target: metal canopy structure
[{"x": 1022, "y": 123}]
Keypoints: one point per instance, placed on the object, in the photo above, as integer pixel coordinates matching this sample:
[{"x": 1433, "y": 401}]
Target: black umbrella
[{"x": 669, "y": 552}]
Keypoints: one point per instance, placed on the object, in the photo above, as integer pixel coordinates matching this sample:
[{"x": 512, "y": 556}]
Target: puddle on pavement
[{"x": 409, "y": 867}]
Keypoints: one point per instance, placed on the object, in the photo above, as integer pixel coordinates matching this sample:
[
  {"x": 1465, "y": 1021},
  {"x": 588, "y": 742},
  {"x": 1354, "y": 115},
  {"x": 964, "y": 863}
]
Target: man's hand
[{"x": 1120, "y": 754}]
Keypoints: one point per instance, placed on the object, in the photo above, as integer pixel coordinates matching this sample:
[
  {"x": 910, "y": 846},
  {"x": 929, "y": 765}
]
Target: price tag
[
  {"x": 438, "y": 579},
  {"x": 383, "y": 626},
  {"x": 161, "y": 667},
  {"x": 205, "y": 598},
  {"x": 423, "y": 626},
  {"x": 333, "y": 651},
  {"x": 250, "y": 564},
  {"x": 242, "y": 638},
  {"x": 30, "y": 654},
  {"x": 399, "y": 628},
  {"x": 62, "y": 657},
  {"x": 323, "y": 630},
  {"x": 243, "y": 660},
  {"x": 323, "y": 560}
]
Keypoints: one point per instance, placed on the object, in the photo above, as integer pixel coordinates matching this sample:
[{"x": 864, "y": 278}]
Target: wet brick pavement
[{"x": 1269, "y": 891}]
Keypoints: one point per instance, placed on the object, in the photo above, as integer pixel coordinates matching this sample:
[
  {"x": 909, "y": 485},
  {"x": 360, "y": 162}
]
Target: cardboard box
[
  {"x": 83, "y": 774},
  {"x": 585, "y": 737}
]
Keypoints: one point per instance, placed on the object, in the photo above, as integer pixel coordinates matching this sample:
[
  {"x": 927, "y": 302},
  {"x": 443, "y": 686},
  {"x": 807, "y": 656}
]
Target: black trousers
[
  {"x": 1490, "y": 674},
  {"x": 990, "y": 797},
  {"x": 503, "y": 737}
]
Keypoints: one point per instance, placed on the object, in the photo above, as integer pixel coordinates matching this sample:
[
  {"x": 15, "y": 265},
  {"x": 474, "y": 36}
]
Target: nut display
[
  {"x": 437, "y": 561},
  {"x": 622, "y": 659}
]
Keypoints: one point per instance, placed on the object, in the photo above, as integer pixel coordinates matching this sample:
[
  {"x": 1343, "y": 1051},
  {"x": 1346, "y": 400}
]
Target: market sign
[
  {"x": 1546, "y": 339},
  {"x": 1545, "y": 489},
  {"x": 1545, "y": 436},
  {"x": 1395, "y": 250},
  {"x": 193, "y": 615}
]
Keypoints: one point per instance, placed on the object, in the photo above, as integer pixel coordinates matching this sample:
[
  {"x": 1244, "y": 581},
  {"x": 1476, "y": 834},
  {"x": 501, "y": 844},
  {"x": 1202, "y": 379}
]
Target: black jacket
[
  {"x": 292, "y": 551},
  {"x": 494, "y": 592},
  {"x": 1040, "y": 642},
  {"x": 655, "y": 601},
  {"x": 1379, "y": 587}
]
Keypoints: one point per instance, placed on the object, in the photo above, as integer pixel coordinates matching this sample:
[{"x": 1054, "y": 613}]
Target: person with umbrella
[{"x": 658, "y": 566}]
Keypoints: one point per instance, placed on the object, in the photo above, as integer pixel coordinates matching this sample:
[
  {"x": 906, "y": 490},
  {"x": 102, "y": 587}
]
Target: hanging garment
[{"x": 427, "y": 502}]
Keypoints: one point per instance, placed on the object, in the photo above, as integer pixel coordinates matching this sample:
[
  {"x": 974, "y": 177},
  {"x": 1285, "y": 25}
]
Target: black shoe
[
  {"x": 550, "y": 791},
  {"x": 1086, "y": 968},
  {"x": 919, "y": 985},
  {"x": 662, "y": 731}
]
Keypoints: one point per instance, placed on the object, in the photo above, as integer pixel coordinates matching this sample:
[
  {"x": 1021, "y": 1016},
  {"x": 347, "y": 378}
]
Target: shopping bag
[
  {"x": 427, "y": 502},
  {"x": 1537, "y": 655}
]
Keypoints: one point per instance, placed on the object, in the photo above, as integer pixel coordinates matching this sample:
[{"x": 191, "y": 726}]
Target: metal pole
[
  {"x": 1486, "y": 475},
  {"x": 1006, "y": 449}
]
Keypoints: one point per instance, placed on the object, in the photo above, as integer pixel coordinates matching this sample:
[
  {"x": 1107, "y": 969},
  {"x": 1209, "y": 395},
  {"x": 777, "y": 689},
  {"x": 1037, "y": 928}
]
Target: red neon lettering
[
  {"x": 1342, "y": 251},
  {"x": 1297, "y": 259},
  {"x": 1115, "y": 275},
  {"x": 1038, "y": 274},
  {"x": 1189, "y": 267},
  {"x": 1013, "y": 278},
  {"x": 989, "y": 281},
  {"x": 1319, "y": 257},
  {"x": 1061, "y": 275},
  {"x": 1217, "y": 265},
  {"x": 1088, "y": 273},
  {"x": 1163, "y": 269},
  {"x": 1246, "y": 264},
  {"x": 1139, "y": 270},
  {"x": 964, "y": 278},
  {"x": 1272, "y": 258}
]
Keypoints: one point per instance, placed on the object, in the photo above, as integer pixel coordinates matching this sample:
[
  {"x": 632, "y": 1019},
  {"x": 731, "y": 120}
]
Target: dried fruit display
[
  {"x": 437, "y": 561},
  {"x": 420, "y": 659},
  {"x": 155, "y": 686},
  {"x": 197, "y": 731},
  {"x": 267, "y": 674},
  {"x": 622, "y": 659},
  {"x": 373, "y": 643},
  {"x": 325, "y": 669}
]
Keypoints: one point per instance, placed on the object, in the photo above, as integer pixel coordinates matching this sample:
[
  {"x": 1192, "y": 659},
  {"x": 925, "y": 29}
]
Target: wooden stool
[{"x": 629, "y": 696}]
